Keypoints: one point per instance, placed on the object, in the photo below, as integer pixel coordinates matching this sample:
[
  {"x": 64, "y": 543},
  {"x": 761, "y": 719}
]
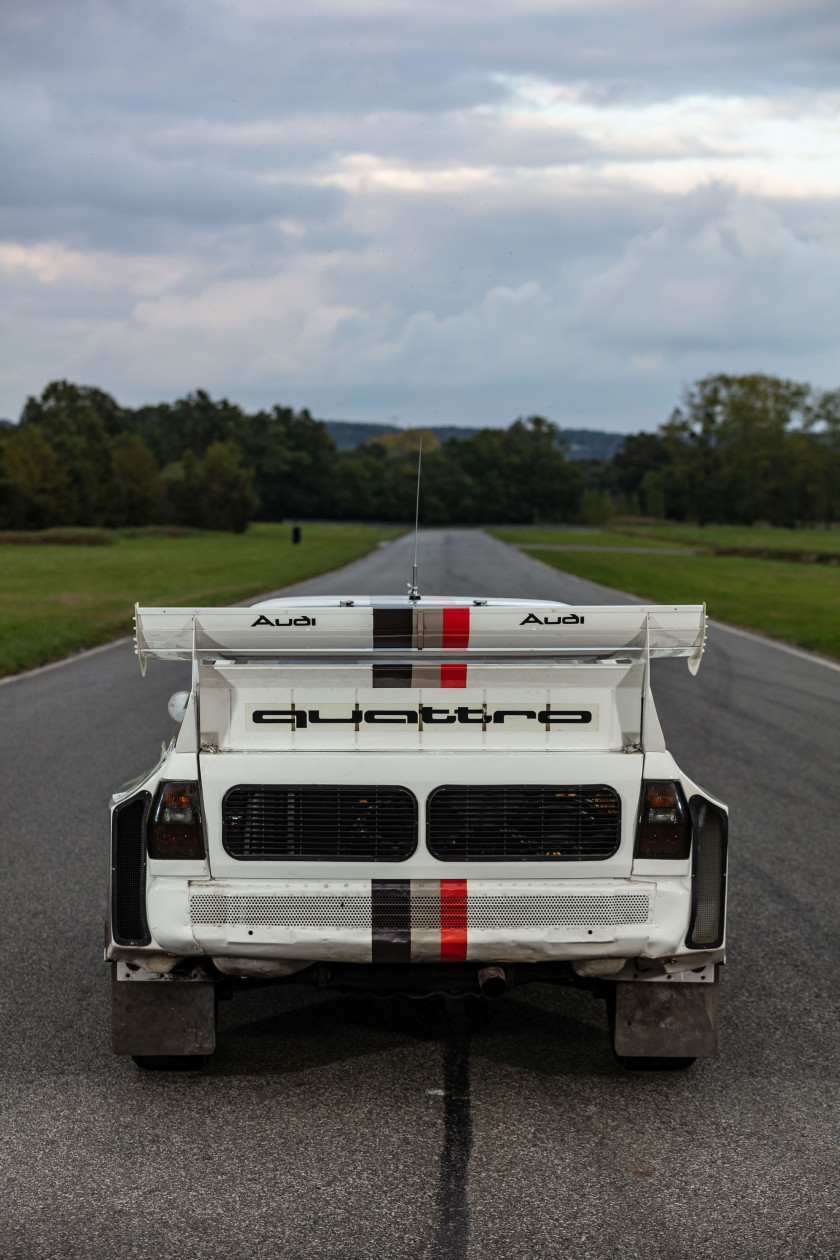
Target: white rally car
[{"x": 417, "y": 795}]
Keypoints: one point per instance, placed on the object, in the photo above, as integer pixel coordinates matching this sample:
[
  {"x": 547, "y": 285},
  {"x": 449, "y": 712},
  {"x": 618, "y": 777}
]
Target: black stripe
[
  {"x": 392, "y": 627},
  {"x": 390, "y": 917},
  {"x": 392, "y": 675}
]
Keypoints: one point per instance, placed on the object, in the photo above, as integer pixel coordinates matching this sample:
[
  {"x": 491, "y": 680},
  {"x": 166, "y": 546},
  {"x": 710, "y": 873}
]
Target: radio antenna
[{"x": 413, "y": 593}]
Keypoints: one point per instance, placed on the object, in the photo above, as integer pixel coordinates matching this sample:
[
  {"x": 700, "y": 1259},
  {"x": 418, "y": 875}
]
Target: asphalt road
[{"x": 353, "y": 1127}]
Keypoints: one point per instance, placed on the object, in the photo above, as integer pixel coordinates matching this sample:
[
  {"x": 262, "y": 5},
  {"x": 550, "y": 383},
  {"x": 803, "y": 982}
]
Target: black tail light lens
[
  {"x": 664, "y": 829},
  {"x": 175, "y": 828},
  {"x": 708, "y": 883}
]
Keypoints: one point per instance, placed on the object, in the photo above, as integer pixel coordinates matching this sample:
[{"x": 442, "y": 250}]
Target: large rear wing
[{"x": 347, "y": 629}]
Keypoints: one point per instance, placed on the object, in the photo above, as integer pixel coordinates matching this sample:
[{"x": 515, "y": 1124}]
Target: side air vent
[
  {"x": 710, "y": 826},
  {"x": 265, "y": 823},
  {"x": 523, "y": 824},
  {"x": 128, "y": 871}
]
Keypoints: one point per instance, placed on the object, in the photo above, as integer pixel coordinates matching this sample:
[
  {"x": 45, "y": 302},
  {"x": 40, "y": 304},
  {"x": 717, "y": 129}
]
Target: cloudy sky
[{"x": 444, "y": 211}]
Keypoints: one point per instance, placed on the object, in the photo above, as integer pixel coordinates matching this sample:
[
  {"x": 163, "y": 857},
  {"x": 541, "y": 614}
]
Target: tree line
[{"x": 739, "y": 449}]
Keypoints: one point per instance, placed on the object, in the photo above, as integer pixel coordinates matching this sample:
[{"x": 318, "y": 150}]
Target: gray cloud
[
  {"x": 429, "y": 55},
  {"x": 466, "y": 211}
]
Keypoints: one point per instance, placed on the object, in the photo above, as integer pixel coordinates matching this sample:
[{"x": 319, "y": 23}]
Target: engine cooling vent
[
  {"x": 523, "y": 824},
  {"x": 266, "y": 823},
  {"x": 128, "y": 872}
]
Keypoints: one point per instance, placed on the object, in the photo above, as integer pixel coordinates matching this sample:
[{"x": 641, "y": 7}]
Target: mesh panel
[
  {"x": 563, "y": 911},
  {"x": 523, "y": 824},
  {"x": 267, "y": 823},
  {"x": 483, "y": 912},
  {"x": 128, "y": 872},
  {"x": 327, "y": 912}
]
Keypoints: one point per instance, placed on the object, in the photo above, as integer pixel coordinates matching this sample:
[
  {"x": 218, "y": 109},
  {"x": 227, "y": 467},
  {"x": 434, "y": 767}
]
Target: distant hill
[
  {"x": 592, "y": 443},
  {"x": 349, "y": 434},
  {"x": 583, "y": 443}
]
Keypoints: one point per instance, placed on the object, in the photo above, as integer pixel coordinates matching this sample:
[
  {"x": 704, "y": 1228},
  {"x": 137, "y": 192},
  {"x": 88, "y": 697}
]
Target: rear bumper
[{"x": 420, "y": 921}]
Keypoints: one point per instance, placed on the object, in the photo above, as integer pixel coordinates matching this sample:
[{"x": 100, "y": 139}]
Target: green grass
[
  {"x": 522, "y": 536},
  {"x": 799, "y": 603},
  {"x": 58, "y": 598},
  {"x": 803, "y": 540}
]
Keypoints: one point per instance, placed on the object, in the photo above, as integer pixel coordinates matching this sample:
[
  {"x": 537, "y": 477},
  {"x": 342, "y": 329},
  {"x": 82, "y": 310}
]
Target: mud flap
[
  {"x": 162, "y": 1018},
  {"x": 661, "y": 1020}
]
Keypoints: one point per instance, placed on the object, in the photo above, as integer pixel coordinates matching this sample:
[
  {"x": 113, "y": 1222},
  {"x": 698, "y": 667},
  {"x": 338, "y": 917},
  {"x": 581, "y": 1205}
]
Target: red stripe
[
  {"x": 453, "y": 675},
  {"x": 456, "y": 628},
  {"x": 453, "y": 920}
]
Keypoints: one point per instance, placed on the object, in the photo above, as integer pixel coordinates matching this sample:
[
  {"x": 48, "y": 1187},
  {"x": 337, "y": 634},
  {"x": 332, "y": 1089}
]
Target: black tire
[
  {"x": 170, "y": 1062},
  {"x": 634, "y": 1064}
]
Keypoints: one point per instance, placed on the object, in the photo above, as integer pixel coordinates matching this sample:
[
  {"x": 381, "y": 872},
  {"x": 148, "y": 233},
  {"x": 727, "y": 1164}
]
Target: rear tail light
[
  {"x": 664, "y": 829},
  {"x": 175, "y": 829},
  {"x": 708, "y": 883}
]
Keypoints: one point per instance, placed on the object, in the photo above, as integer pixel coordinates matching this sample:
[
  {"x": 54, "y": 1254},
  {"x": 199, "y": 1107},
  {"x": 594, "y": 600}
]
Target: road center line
[{"x": 453, "y": 1205}]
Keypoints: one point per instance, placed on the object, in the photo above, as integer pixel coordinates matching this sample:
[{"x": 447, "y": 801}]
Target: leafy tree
[
  {"x": 738, "y": 449},
  {"x": 639, "y": 468},
  {"x": 136, "y": 482},
  {"x": 518, "y": 475},
  {"x": 37, "y": 490},
  {"x": 192, "y": 423},
  {"x": 78, "y": 422},
  {"x": 181, "y": 485},
  {"x": 225, "y": 489},
  {"x": 823, "y": 476},
  {"x": 294, "y": 458},
  {"x": 731, "y": 445}
]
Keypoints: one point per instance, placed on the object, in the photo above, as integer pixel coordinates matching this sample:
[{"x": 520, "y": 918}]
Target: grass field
[
  {"x": 55, "y": 599},
  {"x": 757, "y": 537},
  {"x": 523, "y": 535},
  {"x": 796, "y": 602}
]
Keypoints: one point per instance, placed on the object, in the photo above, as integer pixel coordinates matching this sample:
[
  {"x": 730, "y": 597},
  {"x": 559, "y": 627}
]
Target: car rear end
[{"x": 461, "y": 797}]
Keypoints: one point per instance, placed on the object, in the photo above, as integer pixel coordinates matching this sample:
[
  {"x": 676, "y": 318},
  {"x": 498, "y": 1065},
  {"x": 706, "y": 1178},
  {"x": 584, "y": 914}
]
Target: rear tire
[{"x": 171, "y": 1062}]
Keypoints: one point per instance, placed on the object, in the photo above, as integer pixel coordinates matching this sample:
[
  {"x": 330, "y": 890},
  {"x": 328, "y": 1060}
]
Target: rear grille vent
[
  {"x": 265, "y": 823},
  {"x": 523, "y": 824},
  {"x": 128, "y": 872}
]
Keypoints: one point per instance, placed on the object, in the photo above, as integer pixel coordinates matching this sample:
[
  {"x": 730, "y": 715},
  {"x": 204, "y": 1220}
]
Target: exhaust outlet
[{"x": 493, "y": 981}]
